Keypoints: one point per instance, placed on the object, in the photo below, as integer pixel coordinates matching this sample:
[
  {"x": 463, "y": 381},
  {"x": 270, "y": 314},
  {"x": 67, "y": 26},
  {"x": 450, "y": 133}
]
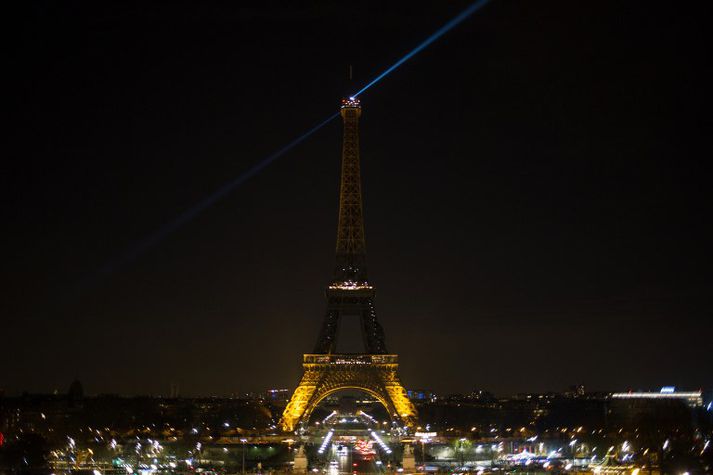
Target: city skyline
[{"x": 535, "y": 213}]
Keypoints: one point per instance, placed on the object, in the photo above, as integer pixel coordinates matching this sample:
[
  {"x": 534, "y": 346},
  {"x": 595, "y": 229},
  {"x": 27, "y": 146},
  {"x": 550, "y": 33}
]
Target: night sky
[{"x": 537, "y": 189}]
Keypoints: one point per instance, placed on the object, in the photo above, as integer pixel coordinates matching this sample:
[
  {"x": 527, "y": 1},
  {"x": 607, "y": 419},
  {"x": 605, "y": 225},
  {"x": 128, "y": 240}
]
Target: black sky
[{"x": 537, "y": 192}]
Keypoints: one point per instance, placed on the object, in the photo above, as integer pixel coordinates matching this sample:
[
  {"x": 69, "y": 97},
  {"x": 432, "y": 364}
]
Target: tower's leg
[
  {"x": 327, "y": 341},
  {"x": 300, "y": 400},
  {"x": 399, "y": 398},
  {"x": 372, "y": 331}
]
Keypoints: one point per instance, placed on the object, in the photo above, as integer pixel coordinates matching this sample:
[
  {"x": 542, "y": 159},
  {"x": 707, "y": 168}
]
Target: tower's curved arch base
[{"x": 326, "y": 374}]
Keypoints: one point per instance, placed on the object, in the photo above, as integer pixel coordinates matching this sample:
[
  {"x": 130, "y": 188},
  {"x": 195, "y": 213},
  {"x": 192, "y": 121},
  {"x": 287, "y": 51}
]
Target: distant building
[
  {"x": 668, "y": 393},
  {"x": 277, "y": 395},
  {"x": 576, "y": 390},
  {"x": 482, "y": 395},
  {"x": 418, "y": 395},
  {"x": 75, "y": 393}
]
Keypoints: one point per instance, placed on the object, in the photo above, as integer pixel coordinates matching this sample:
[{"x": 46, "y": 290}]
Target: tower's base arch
[{"x": 326, "y": 374}]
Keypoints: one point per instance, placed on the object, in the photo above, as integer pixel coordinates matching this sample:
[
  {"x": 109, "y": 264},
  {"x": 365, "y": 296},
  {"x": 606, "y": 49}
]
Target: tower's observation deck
[{"x": 351, "y": 103}]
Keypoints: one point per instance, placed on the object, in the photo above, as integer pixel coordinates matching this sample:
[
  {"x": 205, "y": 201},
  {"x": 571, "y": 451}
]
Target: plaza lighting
[
  {"x": 380, "y": 442},
  {"x": 325, "y": 441},
  {"x": 368, "y": 416},
  {"x": 334, "y": 413}
]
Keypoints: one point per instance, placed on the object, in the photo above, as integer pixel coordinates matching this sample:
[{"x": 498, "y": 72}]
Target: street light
[{"x": 243, "y": 441}]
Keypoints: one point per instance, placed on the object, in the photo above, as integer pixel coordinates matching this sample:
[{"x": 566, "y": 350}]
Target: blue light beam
[
  {"x": 188, "y": 215},
  {"x": 455, "y": 21}
]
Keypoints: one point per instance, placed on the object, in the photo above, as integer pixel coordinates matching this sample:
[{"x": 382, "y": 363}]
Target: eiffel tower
[{"x": 349, "y": 295}]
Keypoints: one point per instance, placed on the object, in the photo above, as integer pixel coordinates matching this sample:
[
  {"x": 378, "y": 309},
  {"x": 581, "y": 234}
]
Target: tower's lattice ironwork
[
  {"x": 351, "y": 244},
  {"x": 349, "y": 295}
]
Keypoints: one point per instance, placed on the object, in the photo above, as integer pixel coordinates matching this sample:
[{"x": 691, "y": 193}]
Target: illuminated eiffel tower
[{"x": 349, "y": 295}]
